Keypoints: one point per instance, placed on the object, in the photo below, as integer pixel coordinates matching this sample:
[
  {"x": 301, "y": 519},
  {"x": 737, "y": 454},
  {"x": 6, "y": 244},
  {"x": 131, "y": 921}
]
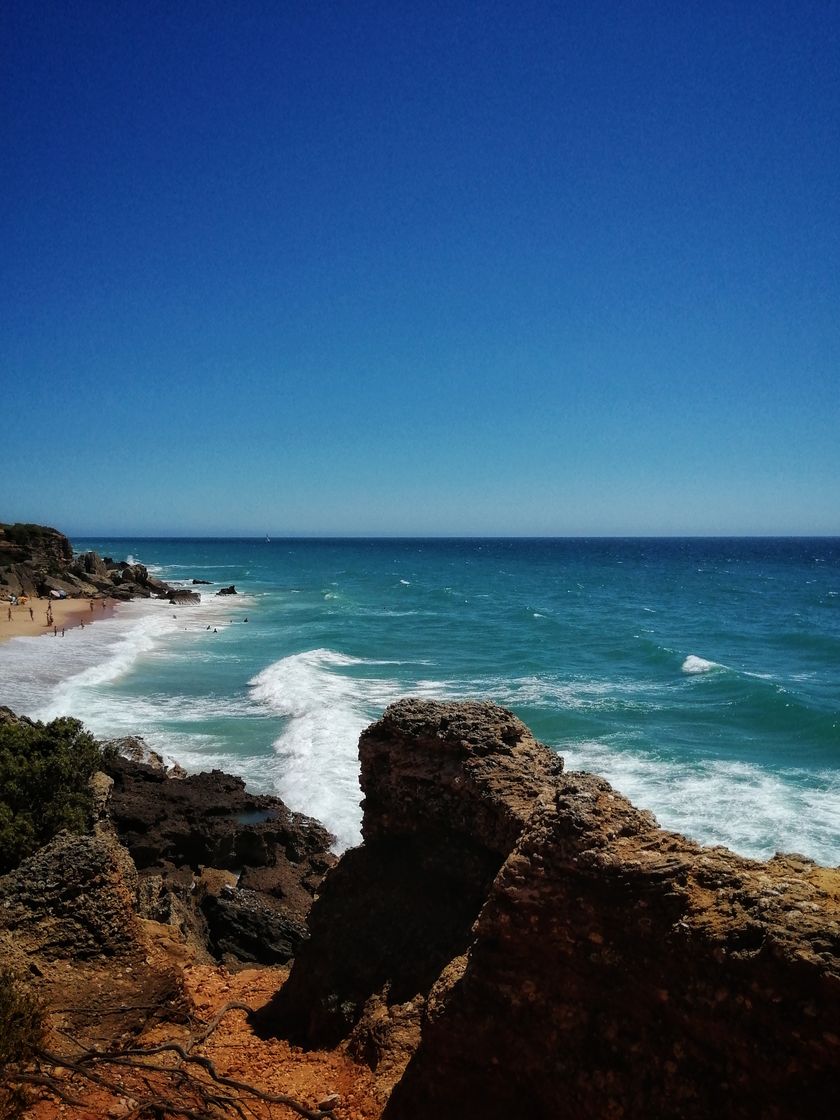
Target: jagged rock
[
  {"x": 248, "y": 926},
  {"x": 19, "y": 579},
  {"x": 35, "y": 559},
  {"x": 42, "y": 548},
  {"x": 448, "y": 790},
  {"x": 91, "y": 564},
  {"x": 210, "y": 820},
  {"x": 135, "y": 573},
  {"x": 227, "y": 590},
  {"x": 569, "y": 959},
  {"x": 72, "y": 899},
  {"x": 135, "y": 749},
  {"x": 204, "y": 581},
  {"x": 69, "y": 586},
  {"x": 182, "y": 596},
  {"x": 185, "y": 835}
]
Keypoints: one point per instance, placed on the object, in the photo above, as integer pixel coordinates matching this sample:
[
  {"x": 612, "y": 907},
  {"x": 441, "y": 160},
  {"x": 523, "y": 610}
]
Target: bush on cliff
[{"x": 45, "y": 771}]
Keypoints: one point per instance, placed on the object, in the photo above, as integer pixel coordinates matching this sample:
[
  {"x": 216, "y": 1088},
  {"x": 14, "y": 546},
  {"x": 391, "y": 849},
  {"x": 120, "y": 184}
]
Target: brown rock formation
[
  {"x": 73, "y": 899},
  {"x": 35, "y": 560},
  {"x": 555, "y": 953},
  {"x": 29, "y": 554},
  {"x": 447, "y": 792}
]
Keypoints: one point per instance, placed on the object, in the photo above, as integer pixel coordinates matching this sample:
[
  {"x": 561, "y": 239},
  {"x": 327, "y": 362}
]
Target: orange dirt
[{"x": 273, "y": 1066}]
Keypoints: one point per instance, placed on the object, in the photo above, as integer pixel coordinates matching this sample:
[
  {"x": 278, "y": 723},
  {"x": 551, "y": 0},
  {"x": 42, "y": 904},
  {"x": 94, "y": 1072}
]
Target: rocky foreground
[{"x": 511, "y": 940}]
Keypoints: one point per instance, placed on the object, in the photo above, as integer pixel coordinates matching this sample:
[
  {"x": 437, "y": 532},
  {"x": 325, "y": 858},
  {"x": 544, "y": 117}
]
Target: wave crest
[{"x": 695, "y": 664}]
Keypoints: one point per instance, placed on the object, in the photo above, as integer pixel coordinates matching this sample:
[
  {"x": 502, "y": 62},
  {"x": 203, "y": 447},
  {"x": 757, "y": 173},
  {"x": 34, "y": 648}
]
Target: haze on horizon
[{"x": 421, "y": 269}]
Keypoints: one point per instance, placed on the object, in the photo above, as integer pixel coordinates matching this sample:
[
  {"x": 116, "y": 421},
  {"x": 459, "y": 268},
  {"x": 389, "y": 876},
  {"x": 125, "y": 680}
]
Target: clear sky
[{"x": 409, "y": 266}]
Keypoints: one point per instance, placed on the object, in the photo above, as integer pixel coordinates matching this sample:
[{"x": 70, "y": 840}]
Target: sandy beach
[{"x": 29, "y": 620}]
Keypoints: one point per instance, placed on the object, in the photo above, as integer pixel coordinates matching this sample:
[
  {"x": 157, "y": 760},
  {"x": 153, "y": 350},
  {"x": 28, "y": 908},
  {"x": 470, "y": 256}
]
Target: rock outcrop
[
  {"x": 29, "y": 554},
  {"x": 531, "y": 944},
  {"x": 73, "y": 899},
  {"x": 236, "y": 871},
  {"x": 37, "y": 560}
]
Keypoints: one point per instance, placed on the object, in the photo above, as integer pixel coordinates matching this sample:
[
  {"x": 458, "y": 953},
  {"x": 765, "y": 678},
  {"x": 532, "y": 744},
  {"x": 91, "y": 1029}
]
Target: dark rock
[
  {"x": 135, "y": 749},
  {"x": 447, "y": 793},
  {"x": 135, "y": 573},
  {"x": 35, "y": 560},
  {"x": 227, "y": 590},
  {"x": 181, "y": 595},
  {"x": 91, "y": 564},
  {"x": 250, "y": 927},
  {"x": 204, "y": 581},
  {"x": 69, "y": 586},
  {"x": 191, "y": 831}
]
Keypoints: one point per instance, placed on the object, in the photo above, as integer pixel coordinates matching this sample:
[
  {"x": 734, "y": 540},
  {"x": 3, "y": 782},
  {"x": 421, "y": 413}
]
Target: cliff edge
[{"x": 513, "y": 939}]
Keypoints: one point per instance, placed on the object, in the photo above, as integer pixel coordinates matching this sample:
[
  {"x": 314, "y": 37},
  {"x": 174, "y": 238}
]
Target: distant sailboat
[{"x": 267, "y": 539}]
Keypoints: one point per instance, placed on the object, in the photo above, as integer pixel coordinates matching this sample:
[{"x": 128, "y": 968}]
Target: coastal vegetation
[{"x": 45, "y": 772}]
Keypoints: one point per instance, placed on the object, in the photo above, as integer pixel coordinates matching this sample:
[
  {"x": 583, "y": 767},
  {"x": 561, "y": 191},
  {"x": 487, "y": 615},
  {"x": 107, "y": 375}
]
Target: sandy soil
[
  {"x": 273, "y": 1066},
  {"x": 31, "y": 619}
]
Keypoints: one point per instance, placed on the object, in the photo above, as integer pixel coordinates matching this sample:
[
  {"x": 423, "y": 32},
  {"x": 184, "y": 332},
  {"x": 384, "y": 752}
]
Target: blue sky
[{"x": 421, "y": 267}]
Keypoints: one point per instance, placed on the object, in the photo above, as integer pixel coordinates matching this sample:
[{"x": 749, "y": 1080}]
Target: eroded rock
[{"x": 554, "y": 951}]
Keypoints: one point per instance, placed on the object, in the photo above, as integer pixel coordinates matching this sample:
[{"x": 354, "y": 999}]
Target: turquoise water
[{"x": 699, "y": 676}]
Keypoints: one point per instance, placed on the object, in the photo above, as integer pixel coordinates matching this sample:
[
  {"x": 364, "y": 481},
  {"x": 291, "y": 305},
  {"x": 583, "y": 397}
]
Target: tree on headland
[{"x": 45, "y": 772}]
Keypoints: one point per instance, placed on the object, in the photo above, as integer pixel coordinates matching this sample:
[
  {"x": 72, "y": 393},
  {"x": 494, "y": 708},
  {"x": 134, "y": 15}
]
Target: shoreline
[{"x": 67, "y": 614}]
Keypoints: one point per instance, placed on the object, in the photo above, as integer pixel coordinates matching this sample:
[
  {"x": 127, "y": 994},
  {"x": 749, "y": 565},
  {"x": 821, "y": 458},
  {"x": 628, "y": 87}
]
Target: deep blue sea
[{"x": 700, "y": 676}]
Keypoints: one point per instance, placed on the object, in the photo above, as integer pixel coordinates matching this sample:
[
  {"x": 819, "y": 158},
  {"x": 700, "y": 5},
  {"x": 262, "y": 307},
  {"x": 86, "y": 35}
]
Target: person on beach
[
  {"x": 31, "y": 614},
  {"x": 10, "y": 613},
  {"x": 62, "y": 631},
  {"x": 91, "y": 606}
]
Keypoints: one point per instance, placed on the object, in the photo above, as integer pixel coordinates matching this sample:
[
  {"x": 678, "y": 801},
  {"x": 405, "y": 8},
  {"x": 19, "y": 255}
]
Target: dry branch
[{"x": 193, "y": 1088}]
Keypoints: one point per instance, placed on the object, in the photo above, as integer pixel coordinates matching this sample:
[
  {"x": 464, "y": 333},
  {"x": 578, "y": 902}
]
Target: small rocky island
[{"x": 510, "y": 940}]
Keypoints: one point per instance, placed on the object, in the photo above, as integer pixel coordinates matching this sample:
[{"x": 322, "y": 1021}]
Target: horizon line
[{"x": 270, "y": 539}]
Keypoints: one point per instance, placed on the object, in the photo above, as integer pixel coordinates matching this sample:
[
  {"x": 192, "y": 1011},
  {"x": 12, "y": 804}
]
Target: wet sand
[{"x": 66, "y": 613}]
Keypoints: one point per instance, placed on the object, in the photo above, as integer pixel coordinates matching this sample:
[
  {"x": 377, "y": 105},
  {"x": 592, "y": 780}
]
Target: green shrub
[{"x": 45, "y": 771}]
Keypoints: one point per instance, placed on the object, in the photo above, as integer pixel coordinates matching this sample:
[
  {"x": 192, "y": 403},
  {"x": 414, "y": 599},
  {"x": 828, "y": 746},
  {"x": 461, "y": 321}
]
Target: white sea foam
[
  {"x": 743, "y": 806},
  {"x": 43, "y": 676},
  {"x": 695, "y": 664},
  {"x": 327, "y": 705},
  {"x": 551, "y": 693},
  {"x": 46, "y": 677}
]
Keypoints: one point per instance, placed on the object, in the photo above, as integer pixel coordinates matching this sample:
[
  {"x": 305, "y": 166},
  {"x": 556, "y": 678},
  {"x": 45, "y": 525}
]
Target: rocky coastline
[
  {"x": 511, "y": 939},
  {"x": 38, "y": 561}
]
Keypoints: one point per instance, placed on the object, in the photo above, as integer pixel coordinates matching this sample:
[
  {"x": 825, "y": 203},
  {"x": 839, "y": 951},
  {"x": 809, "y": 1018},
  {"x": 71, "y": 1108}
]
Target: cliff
[{"x": 514, "y": 940}]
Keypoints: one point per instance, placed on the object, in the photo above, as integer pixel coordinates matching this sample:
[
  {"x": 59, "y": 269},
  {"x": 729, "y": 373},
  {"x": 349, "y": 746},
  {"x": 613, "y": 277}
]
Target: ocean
[{"x": 700, "y": 676}]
